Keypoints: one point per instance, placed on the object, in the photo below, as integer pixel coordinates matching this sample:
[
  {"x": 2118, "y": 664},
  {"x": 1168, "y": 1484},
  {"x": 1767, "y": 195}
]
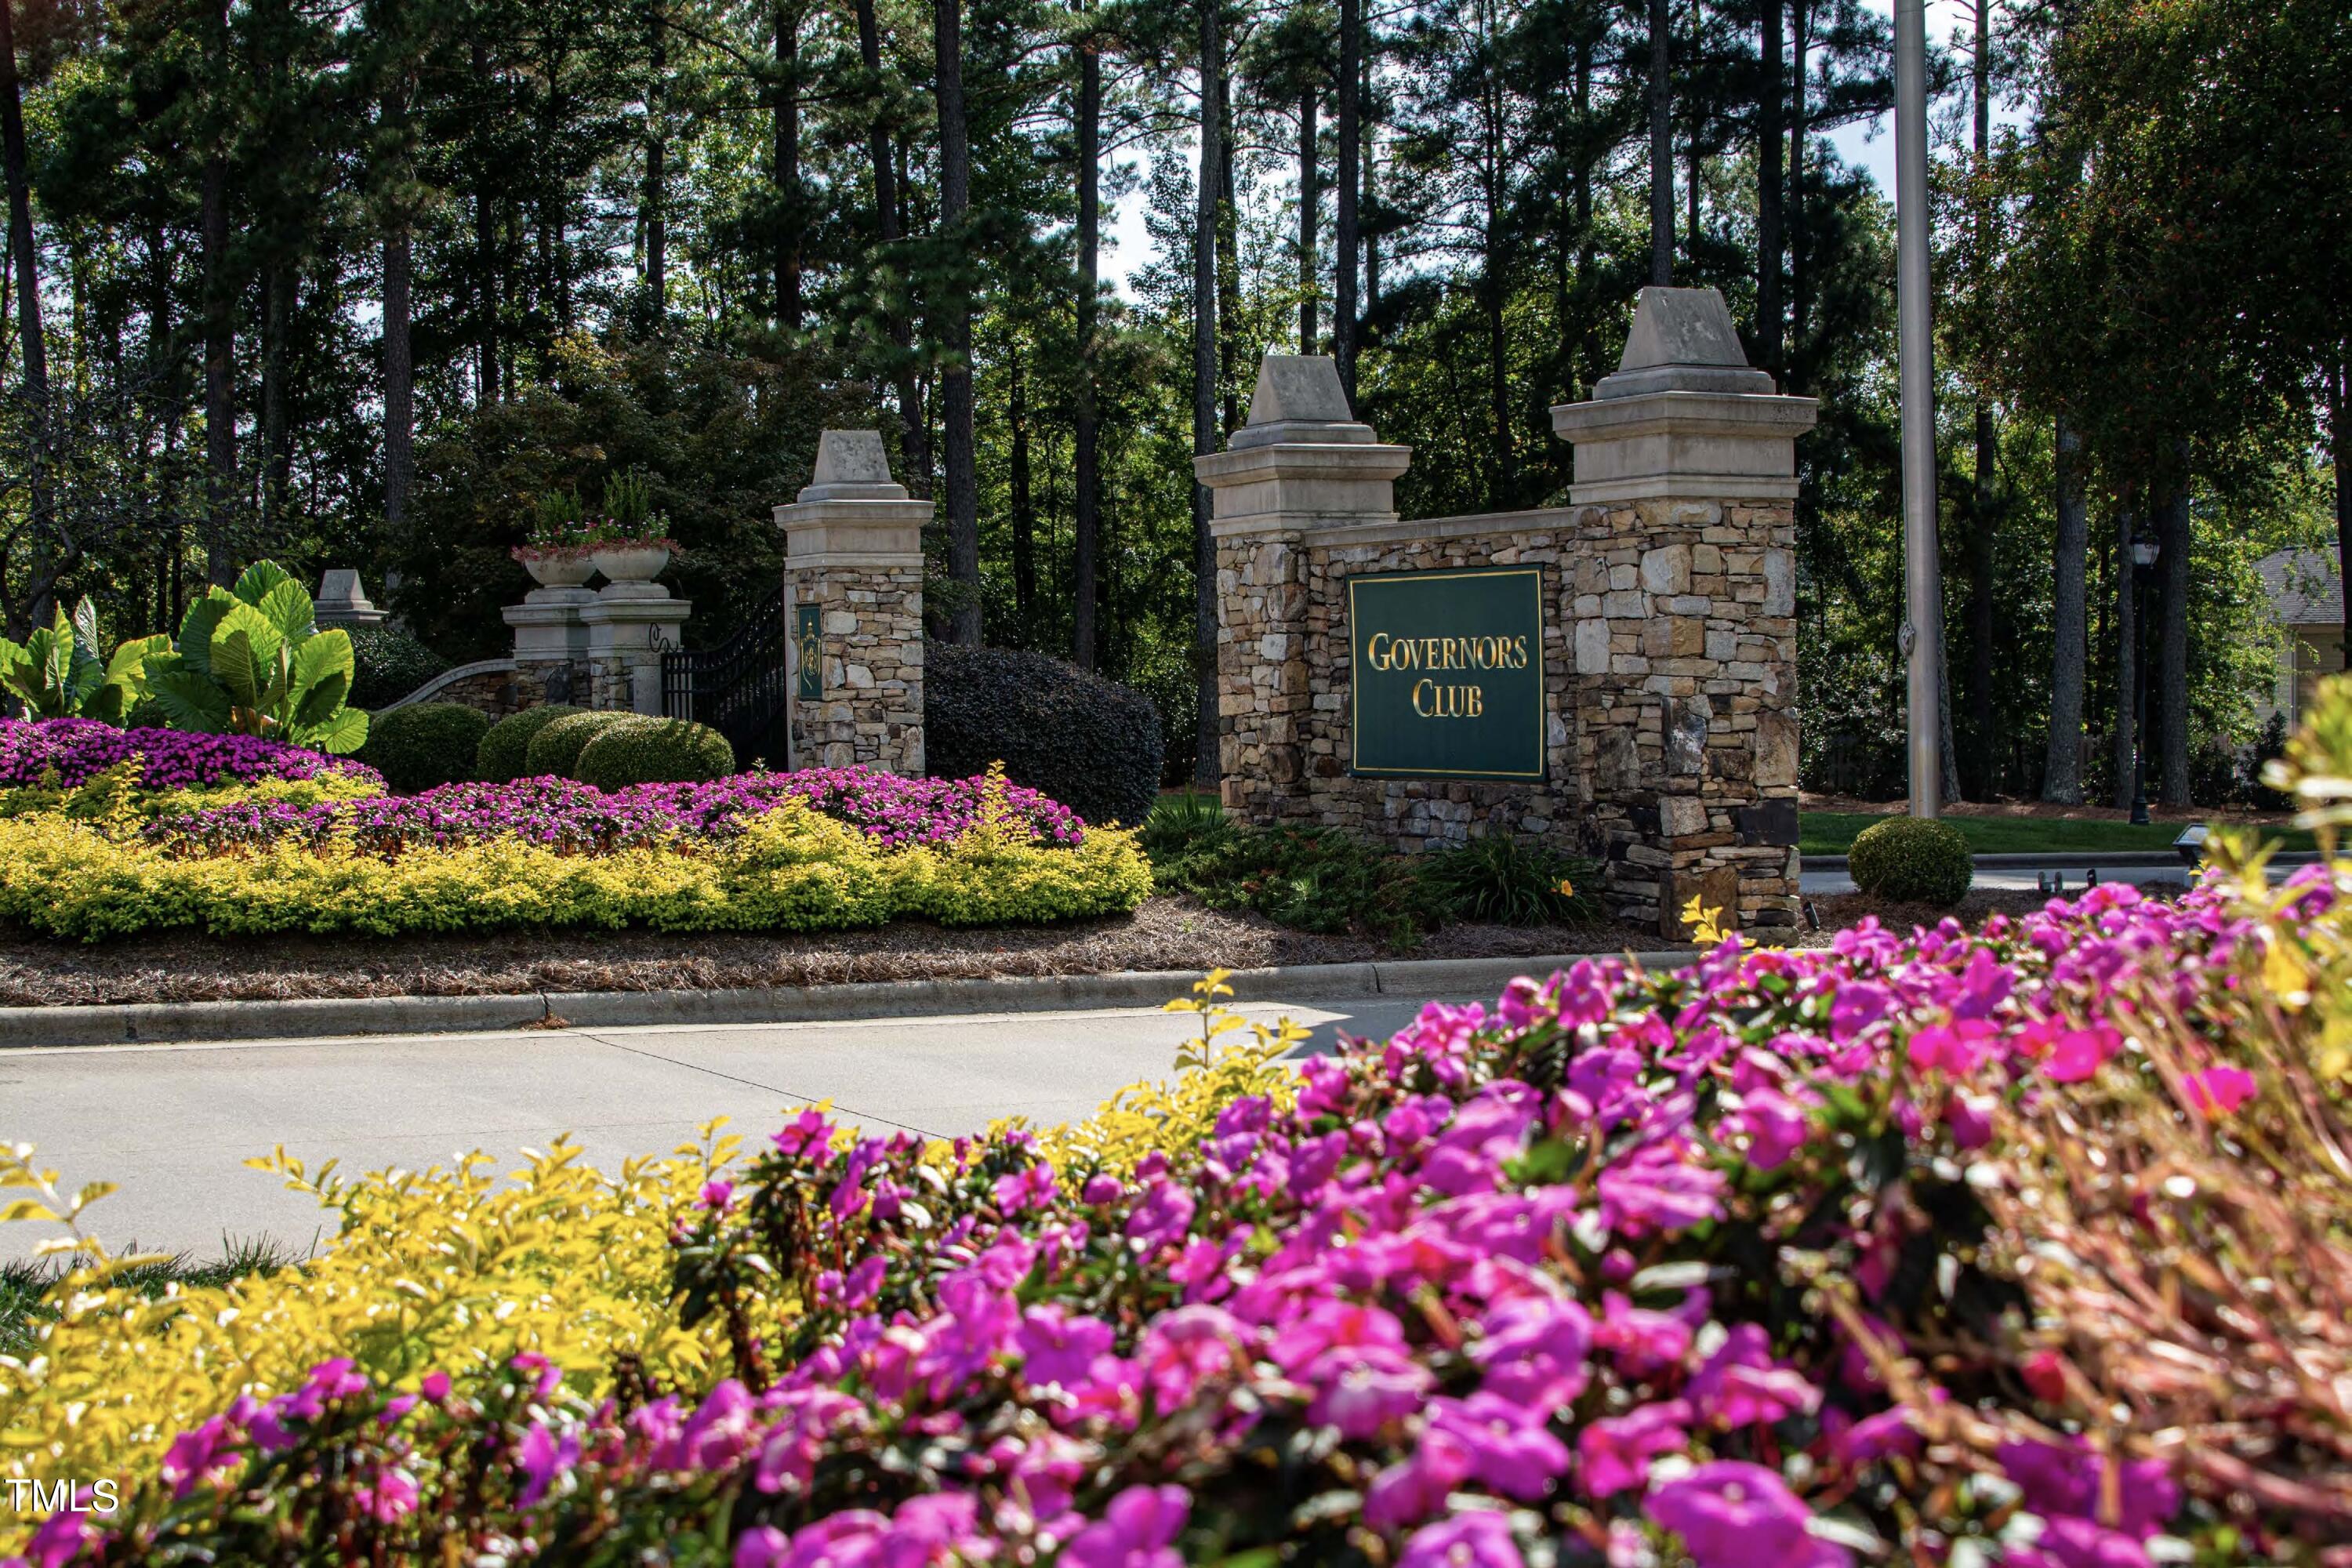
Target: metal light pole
[
  {"x": 1923, "y": 611},
  {"x": 2143, "y": 552}
]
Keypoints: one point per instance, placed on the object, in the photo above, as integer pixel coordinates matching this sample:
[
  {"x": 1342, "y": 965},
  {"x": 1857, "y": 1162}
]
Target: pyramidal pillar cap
[
  {"x": 1682, "y": 341},
  {"x": 1299, "y": 401},
  {"x": 852, "y": 465}
]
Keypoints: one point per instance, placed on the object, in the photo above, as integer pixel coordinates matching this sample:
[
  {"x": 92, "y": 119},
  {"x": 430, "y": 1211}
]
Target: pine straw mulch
[{"x": 1166, "y": 933}]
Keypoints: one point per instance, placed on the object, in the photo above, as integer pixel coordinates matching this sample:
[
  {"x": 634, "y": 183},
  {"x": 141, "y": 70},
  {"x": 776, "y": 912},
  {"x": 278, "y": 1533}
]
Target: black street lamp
[{"x": 2144, "y": 552}]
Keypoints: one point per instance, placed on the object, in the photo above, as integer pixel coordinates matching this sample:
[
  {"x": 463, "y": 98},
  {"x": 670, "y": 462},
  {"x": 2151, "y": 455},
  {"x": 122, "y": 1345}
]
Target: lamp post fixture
[
  {"x": 1923, "y": 609},
  {"x": 2144, "y": 552}
]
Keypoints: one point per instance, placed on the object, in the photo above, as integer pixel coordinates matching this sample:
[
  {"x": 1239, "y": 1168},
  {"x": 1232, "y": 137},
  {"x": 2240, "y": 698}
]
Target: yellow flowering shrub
[
  {"x": 791, "y": 869},
  {"x": 115, "y": 794}
]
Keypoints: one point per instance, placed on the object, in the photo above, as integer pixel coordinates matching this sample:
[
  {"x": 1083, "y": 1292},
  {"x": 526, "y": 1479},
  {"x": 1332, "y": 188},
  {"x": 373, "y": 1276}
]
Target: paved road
[
  {"x": 2021, "y": 880},
  {"x": 172, "y": 1125}
]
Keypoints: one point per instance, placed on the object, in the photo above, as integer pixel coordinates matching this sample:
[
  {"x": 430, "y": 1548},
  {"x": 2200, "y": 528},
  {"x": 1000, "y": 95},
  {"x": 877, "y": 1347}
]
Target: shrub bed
[
  {"x": 503, "y": 755},
  {"x": 1787, "y": 1261},
  {"x": 788, "y": 868},
  {"x": 558, "y": 814},
  {"x": 1083, "y": 740},
  {"x": 425, "y": 745},
  {"x": 654, "y": 751},
  {"x": 554, "y": 752},
  {"x": 1907, "y": 859}
]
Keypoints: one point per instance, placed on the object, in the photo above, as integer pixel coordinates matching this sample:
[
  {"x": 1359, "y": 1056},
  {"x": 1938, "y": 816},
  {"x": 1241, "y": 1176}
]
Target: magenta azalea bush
[
  {"x": 61, "y": 754},
  {"x": 579, "y": 818},
  {"x": 2016, "y": 1247}
]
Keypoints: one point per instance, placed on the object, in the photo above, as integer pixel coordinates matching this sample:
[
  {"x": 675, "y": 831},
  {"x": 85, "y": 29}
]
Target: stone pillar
[
  {"x": 341, "y": 601},
  {"x": 550, "y": 645},
  {"x": 628, "y": 626},
  {"x": 1301, "y": 464},
  {"x": 854, "y": 588},
  {"x": 1684, "y": 613}
]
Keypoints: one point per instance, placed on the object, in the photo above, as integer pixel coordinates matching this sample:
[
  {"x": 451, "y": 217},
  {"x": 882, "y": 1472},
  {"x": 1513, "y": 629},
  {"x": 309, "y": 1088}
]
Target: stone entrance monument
[
  {"x": 1616, "y": 676},
  {"x": 853, "y": 602}
]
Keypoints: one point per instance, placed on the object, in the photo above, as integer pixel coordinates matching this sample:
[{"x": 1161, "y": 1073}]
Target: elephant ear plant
[
  {"x": 60, "y": 671},
  {"x": 251, "y": 661}
]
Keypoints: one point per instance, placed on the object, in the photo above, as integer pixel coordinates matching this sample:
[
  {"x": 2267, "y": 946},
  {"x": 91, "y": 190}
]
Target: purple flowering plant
[
  {"x": 1783, "y": 1260},
  {"x": 577, "y": 818},
  {"x": 61, "y": 754}
]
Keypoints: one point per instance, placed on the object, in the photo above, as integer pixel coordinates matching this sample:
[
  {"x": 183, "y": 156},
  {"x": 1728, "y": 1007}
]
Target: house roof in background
[{"x": 2305, "y": 587}]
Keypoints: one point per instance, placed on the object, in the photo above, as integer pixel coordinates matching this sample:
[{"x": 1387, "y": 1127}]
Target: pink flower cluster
[
  {"x": 61, "y": 754},
  {"x": 1614, "y": 1268},
  {"x": 579, "y": 818}
]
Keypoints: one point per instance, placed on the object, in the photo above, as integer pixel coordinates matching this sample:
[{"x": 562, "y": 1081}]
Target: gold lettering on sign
[
  {"x": 1382, "y": 651},
  {"x": 1431, "y": 701}
]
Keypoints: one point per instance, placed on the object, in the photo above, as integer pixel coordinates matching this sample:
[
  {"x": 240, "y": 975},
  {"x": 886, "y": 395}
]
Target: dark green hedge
[
  {"x": 425, "y": 745},
  {"x": 1913, "y": 860},
  {"x": 387, "y": 665},
  {"x": 1091, "y": 743},
  {"x": 654, "y": 751},
  {"x": 504, "y": 753},
  {"x": 555, "y": 750}
]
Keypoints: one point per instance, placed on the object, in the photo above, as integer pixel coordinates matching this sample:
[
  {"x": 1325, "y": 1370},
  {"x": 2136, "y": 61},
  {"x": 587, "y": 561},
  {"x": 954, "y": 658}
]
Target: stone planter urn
[
  {"x": 565, "y": 571},
  {"x": 631, "y": 563}
]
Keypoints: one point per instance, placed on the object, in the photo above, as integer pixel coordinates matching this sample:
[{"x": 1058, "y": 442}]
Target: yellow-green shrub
[
  {"x": 109, "y": 795},
  {"x": 791, "y": 869},
  {"x": 446, "y": 1270}
]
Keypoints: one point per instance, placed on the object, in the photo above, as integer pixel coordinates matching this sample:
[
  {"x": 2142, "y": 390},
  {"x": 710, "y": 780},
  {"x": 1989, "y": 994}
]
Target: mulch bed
[{"x": 1165, "y": 933}]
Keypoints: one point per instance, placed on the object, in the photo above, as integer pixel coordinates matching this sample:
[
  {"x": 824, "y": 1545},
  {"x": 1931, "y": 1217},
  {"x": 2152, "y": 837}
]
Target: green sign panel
[
  {"x": 1448, "y": 679},
  {"x": 809, "y": 650}
]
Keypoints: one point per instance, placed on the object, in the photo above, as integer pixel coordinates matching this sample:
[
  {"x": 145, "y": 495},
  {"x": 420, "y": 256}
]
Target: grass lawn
[{"x": 1832, "y": 832}]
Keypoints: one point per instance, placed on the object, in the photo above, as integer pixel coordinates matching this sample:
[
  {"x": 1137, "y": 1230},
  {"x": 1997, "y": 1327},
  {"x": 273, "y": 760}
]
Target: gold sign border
[{"x": 1356, "y": 686}]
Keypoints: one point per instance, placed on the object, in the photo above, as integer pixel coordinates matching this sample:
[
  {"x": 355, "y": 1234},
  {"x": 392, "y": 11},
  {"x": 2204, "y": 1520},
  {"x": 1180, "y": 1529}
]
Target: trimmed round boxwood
[
  {"x": 425, "y": 745},
  {"x": 504, "y": 751},
  {"x": 654, "y": 751},
  {"x": 1091, "y": 743},
  {"x": 388, "y": 664},
  {"x": 1913, "y": 860},
  {"x": 555, "y": 751}
]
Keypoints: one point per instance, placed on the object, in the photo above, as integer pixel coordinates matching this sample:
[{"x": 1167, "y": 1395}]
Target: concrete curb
[
  {"x": 2062, "y": 861},
  {"x": 150, "y": 1022}
]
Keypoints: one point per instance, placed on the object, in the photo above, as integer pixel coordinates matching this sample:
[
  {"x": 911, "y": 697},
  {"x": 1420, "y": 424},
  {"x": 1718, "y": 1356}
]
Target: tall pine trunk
[
  {"x": 787, "y": 138},
  {"x": 1769, "y": 191},
  {"x": 1205, "y": 766},
  {"x": 277, "y": 449},
  {"x": 1984, "y": 515},
  {"x": 955, "y": 376},
  {"x": 2339, "y": 451},
  {"x": 915, "y": 431},
  {"x": 1799, "y": 304},
  {"x": 1346, "y": 222},
  {"x": 1087, "y": 523},
  {"x": 2173, "y": 562},
  {"x": 1022, "y": 510},
  {"x": 220, "y": 405},
  {"x": 2061, "y": 774},
  {"x": 1661, "y": 149},
  {"x": 399, "y": 383},
  {"x": 1310, "y": 202},
  {"x": 655, "y": 201},
  {"x": 24, "y": 254}
]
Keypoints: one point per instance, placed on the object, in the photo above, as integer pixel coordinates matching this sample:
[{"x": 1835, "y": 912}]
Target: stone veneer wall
[
  {"x": 504, "y": 687},
  {"x": 870, "y": 712},
  {"x": 1669, "y": 673}
]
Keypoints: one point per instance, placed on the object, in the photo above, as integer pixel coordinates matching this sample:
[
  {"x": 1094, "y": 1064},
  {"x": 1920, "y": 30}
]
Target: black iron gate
[{"x": 739, "y": 689}]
